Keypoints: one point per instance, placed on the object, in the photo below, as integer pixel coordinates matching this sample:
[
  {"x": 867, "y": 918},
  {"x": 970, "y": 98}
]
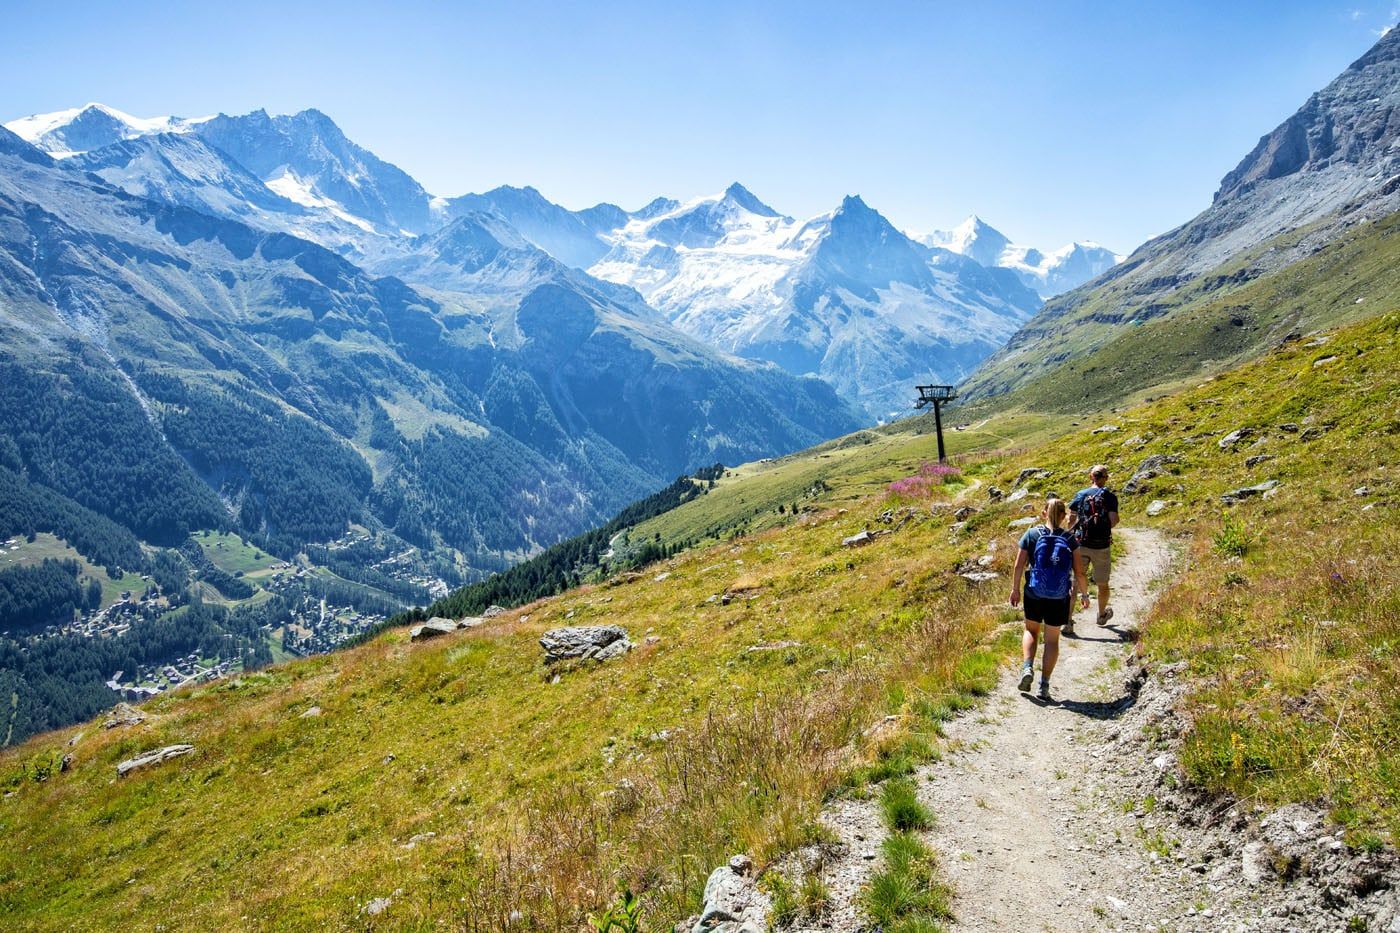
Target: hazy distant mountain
[
  {"x": 1048, "y": 273},
  {"x": 571, "y": 238},
  {"x": 303, "y": 157},
  {"x": 72, "y": 132}
]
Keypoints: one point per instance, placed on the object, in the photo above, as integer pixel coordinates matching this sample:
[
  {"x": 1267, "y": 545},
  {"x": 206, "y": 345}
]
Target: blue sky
[{"x": 1051, "y": 120}]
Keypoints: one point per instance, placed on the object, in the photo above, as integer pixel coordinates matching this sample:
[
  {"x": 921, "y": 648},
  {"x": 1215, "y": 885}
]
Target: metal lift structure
[{"x": 936, "y": 396}]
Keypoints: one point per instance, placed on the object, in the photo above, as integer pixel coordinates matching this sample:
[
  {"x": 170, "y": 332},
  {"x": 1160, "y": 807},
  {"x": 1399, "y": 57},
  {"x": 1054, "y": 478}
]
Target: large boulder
[
  {"x": 733, "y": 903},
  {"x": 1150, "y": 468},
  {"x": 585, "y": 642},
  {"x": 1030, "y": 473},
  {"x": 432, "y": 629},
  {"x": 1244, "y": 492},
  {"x": 154, "y": 757}
]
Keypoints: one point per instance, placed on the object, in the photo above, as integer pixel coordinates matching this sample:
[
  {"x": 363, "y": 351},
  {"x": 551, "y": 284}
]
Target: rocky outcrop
[
  {"x": 733, "y": 903},
  {"x": 432, "y": 629},
  {"x": 1246, "y": 492},
  {"x": 124, "y": 715},
  {"x": 1150, "y": 468},
  {"x": 585, "y": 643},
  {"x": 155, "y": 757}
]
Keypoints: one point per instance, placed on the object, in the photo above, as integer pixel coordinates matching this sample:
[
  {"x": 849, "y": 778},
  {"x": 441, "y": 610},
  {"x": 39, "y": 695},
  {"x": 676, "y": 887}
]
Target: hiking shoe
[
  {"x": 1105, "y": 615},
  {"x": 1025, "y": 686},
  {"x": 1068, "y": 629},
  {"x": 1044, "y": 692}
]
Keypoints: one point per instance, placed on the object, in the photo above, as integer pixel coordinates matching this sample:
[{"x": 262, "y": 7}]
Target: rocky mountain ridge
[{"x": 1320, "y": 174}]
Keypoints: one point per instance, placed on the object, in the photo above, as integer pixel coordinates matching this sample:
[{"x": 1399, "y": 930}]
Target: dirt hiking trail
[{"x": 1029, "y": 828}]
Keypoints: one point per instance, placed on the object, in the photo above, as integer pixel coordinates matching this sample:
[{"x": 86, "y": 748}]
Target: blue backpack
[{"x": 1052, "y": 564}]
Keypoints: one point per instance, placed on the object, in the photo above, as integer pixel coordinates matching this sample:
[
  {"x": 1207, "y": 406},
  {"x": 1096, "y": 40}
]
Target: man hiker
[
  {"x": 1056, "y": 572},
  {"x": 1094, "y": 512}
]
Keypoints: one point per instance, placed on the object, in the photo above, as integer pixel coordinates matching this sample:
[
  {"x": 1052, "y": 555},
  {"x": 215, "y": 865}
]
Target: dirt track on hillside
[{"x": 1028, "y": 831}]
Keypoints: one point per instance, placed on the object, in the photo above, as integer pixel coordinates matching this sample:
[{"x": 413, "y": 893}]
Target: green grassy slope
[{"x": 546, "y": 793}]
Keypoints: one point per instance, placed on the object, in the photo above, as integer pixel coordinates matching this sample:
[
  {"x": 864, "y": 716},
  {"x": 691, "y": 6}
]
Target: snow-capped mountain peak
[
  {"x": 738, "y": 194},
  {"x": 1048, "y": 273},
  {"x": 845, "y": 295},
  {"x": 66, "y": 133}
]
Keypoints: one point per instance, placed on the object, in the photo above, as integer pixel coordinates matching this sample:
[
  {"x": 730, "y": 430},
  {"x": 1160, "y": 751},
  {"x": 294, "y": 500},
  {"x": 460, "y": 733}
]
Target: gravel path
[
  {"x": 1021, "y": 833},
  {"x": 1074, "y": 815},
  {"x": 1017, "y": 833}
]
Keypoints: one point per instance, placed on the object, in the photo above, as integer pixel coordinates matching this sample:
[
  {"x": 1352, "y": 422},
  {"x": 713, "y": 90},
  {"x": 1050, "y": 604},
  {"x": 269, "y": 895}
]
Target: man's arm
[{"x": 1113, "y": 519}]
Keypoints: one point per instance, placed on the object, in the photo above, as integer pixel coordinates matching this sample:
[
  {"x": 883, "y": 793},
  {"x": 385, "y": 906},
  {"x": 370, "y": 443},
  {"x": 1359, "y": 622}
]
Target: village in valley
[{"x": 299, "y": 608}]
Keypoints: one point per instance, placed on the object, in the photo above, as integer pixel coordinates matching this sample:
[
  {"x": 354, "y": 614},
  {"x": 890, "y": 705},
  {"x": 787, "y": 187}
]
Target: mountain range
[
  {"x": 726, "y": 269},
  {"x": 289, "y": 392},
  {"x": 1048, "y": 274}
]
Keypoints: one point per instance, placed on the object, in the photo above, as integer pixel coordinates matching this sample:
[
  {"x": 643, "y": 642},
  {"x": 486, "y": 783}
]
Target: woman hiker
[{"x": 1056, "y": 571}]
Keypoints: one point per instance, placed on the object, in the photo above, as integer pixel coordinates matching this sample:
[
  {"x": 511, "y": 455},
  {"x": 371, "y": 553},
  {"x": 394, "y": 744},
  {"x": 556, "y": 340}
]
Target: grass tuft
[{"x": 901, "y": 808}]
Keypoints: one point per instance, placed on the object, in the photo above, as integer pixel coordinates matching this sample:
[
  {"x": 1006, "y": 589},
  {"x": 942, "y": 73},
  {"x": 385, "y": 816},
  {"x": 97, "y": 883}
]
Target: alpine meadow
[{"x": 380, "y": 559}]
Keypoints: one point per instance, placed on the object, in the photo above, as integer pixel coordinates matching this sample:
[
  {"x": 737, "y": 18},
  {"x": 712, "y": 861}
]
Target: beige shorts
[{"x": 1097, "y": 563}]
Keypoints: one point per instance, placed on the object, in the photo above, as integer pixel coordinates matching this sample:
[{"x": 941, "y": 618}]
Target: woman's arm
[
  {"x": 1022, "y": 556},
  {"x": 1081, "y": 582}
]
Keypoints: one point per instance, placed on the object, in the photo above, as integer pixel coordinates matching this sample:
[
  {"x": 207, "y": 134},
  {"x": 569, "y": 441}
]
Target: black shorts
[{"x": 1046, "y": 611}]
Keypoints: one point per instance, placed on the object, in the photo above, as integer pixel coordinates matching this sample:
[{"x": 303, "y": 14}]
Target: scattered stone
[
  {"x": 1244, "y": 492},
  {"x": 1361, "y": 491},
  {"x": 1022, "y": 522},
  {"x": 1030, "y": 473},
  {"x": 1018, "y": 495},
  {"x": 774, "y": 646},
  {"x": 310, "y": 713},
  {"x": 155, "y": 757},
  {"x": 1254, "y": 862},
  {"x": 964, "y": 513},
  {"x": 857, "y": 539},
  {"x": 661, "y": 577},
  {"x": 493, "y": 611},
  {"x": 65, "y": 763},
  {"x": 585, "y": 642},
  {"x": 76, "y": 739},
  {"x": 979, "y": 576},
  {"x": 653, "y": 639},
  {"x": 1105, "y": 429},
  {"x": 473, "y": 621},
  {"x": 1257, "y": 459},
  {"x": 732, "y": 902},
  {"x": 1158, "y": 506},
  {"x": 986, "y": 560},
  {"x": 377, "y": 906},
  {"x": 124, "y": 715},
  {"x": 994, "y": 494},
  {"x": 1323, "y": 361},
  {"x": 1288, "y": 428},
  {"x": 1234, "y": 437},
  {"x": 414, "y": 840},
  {"x": 432, "y": 628},
  {"x": 1149, "y": 468},
  {"x": 1311, "y": 434}
]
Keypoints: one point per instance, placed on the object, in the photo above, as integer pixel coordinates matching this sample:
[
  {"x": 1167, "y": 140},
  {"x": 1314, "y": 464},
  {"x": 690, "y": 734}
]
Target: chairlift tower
[{"x": 936, "y": 396}]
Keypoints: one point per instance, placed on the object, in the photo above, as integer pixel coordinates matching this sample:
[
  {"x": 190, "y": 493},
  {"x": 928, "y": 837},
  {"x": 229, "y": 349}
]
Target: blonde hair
[{"x": 1055, "y": 511}]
